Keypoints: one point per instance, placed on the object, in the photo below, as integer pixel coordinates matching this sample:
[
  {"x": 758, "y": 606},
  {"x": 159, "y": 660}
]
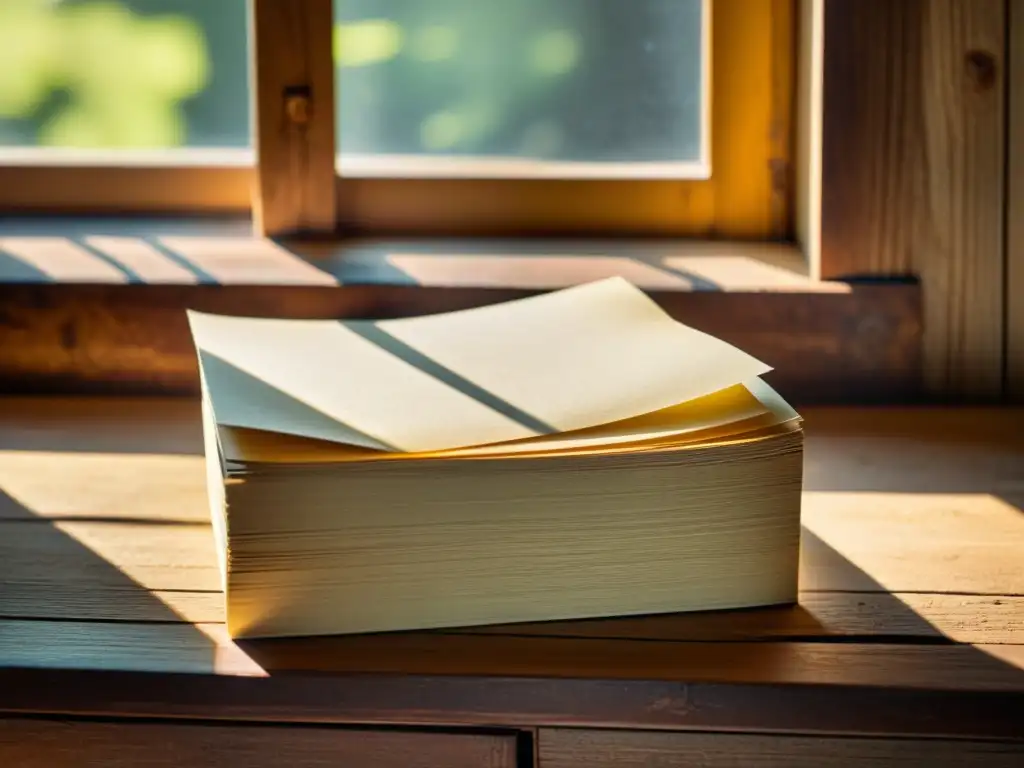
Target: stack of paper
[{"x": 574, "y": 454}]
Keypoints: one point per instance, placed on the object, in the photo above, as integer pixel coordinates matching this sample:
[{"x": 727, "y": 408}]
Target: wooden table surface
[{"x": 910, "y": 622}]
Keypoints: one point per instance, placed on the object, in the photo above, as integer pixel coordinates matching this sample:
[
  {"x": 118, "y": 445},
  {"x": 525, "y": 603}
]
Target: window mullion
[{"x": 293, "y": 87}]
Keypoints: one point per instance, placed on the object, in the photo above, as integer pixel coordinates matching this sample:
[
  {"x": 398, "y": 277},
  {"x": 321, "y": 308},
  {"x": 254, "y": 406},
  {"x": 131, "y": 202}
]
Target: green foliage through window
[{"x": 123, "y": 73}]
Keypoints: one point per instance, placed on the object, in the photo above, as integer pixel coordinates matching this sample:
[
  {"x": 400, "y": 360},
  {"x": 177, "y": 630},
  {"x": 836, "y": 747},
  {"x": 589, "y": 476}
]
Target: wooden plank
[
  {"x": 206, "y": 649},
  {"x": 872, "y": 143},
  {"x": 130, "y": 541},
  {"x": 912, "y": 169},
  {"x": 128, "y": 189},
  {"x": 781, "y": 132},
  {"x": 852, "y": 542},
  {"x": 961, "y": 255},
  {"x": 819, "y": 616},
  {"x": 959, "y": 691},
  {"x": 128, "y": 571},
  {"x": 102, "y": 486},
  {"x": 118, "y": 555},
  {"x": 904, "y": 542},
  {"x": 746, "y": 196},
  {"x": 517, "y": 702},
  {"x": 915, "y": 450},
  {"x": 38, "y": 743},
  {"x": 293, "y": 72},
  {"x": 859, "y": 345},
  {"x": 158, "y": 442},
  {"x": 64, "y": 597},
  {"x": 1015, "y": 205},
  {"x": 569, "y": 748}
]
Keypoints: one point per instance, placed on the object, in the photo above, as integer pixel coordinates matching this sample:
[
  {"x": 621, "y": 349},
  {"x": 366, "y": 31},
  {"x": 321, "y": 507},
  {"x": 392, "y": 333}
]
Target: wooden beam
[
  {"x": 221, "y": 186},
  {"x": 913, "y": 166},
  {"x": 31, "y": 742},
  {"x": 1015, "y": 207},
  {"x": 854, "y": 346},
  {"x": 781, "y": 125},
  {"x": 293, "y": 71}
]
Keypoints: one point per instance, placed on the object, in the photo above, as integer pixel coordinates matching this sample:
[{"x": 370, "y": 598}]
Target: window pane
[
  {"x": 142, "y": 74},
  {"x": 520, "y": 87}
]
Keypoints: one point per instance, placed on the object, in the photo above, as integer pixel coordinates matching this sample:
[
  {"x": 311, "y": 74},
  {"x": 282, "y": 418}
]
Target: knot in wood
[{"x": 982, "y": 69}]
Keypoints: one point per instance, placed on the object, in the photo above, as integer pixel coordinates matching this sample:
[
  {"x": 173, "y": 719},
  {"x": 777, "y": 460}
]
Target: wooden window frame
[
  {"x": 904, "y": 175},
  {"x": 748, "y": 194},
  {"x": 102, "y": 183},
  {"x": 292, "y": 186}
]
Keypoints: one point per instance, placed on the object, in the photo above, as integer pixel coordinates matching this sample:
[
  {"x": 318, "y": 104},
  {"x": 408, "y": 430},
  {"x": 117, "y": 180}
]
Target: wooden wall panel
[
  {"x": 1015, "y": 207},
  {"x": 913, "y": 168},
  {"x": 856, "y": 346}
]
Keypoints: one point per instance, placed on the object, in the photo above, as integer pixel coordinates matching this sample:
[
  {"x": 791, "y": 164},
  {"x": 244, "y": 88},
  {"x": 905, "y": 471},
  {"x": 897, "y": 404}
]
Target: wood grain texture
[
  {"x": 39, "y": 743},
  {"x": 127, "y": 189},
  {"x": 939, "y": 667},
  {"x": 750, "y": 120},
  {"x": 903, "y": 542},
  {"x": 820, "y": 616},
  {"x": 115, "y": 555},
  {"x": 1015, "y": 205},
  {"x": 912, "y": 168},
  {"x": 112, "y": 606},
  {"x": 103, "y": 512},
  {"x": 293, "y": 60},
  {"x": 206, "y": 649},
  {"x": 153, "y": 572},
  {"x": 872, "y": 152},
  {"x": 516, "y": 702},
  {"x": 864, "y": 616},
  {"x": 856, "y": 346},
  {"x": 960, "y": 257},
  {"x": 781, "y": 132},
  {"x": 567, "y": 748}
]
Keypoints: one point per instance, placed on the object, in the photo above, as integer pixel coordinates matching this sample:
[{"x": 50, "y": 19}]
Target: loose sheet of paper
[
  {"x": 730, "y": 406},
  {"x": 569, "y": 360}
]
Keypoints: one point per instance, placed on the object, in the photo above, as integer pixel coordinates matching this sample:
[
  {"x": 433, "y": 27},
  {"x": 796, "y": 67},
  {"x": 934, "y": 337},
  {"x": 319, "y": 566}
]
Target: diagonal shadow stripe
[
  {"x": 15, "y": 270},
  {"x": 133, "y": 276},
  {"x": 697, "y": 282},
  {"x": 260, "y": 405},
  {"x": 373, "y": 333},
  {"x": 201, "y": 274}
]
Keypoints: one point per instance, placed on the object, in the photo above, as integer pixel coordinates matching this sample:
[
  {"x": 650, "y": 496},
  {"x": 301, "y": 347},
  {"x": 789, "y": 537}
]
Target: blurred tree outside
[
  {"x": 587, "y": 80},
  {"x": 123, "y": 73},
  {"x": 591, "y": 80}
]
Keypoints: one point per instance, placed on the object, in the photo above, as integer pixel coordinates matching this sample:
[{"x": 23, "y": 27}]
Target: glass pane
[
  {"x": 141, "y": 74},
  {"x": 520, "y": 87}
]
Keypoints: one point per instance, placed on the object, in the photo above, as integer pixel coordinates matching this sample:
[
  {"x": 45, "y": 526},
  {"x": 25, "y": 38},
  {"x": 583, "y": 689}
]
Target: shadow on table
[
  {"x": 848, "y": 626},
  {"x": 867, "y": 638},
  {"x": 70, "y": 602},
  {"x": 63, "y": 605}
]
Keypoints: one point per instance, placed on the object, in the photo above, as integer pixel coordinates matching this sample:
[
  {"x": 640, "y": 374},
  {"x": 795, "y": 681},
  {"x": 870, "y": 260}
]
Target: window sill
[{"x": 97, "y": 305}]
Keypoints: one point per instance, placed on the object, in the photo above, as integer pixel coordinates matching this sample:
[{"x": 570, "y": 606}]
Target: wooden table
[{"x": 910, "y": 628}]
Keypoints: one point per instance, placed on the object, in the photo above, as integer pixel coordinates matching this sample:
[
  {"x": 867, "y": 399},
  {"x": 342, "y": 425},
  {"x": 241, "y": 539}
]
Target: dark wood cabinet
[
  {"x": 63, "y": 743},
  {"x": 562, "y": 748}
]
